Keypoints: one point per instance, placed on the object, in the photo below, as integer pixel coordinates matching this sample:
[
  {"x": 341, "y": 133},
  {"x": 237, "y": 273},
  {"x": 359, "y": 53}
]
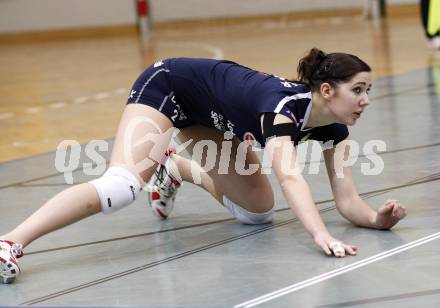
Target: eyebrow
[{"x": 362, "y": 83}]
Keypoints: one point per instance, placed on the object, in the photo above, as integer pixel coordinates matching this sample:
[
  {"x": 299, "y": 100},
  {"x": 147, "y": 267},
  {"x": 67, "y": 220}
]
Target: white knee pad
[
  {"x": 245, "y": 216},
  {"x": 117, "y": 188}
]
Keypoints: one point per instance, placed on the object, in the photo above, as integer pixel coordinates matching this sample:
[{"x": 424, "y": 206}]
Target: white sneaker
[
  {"x": 9, "y": 252},
  {"x": 164, "y": 189},
  {"x": 434, "y": 42}
]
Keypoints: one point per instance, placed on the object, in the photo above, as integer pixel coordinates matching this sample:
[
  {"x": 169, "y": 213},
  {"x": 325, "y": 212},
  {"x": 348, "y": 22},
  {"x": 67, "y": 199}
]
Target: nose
[{"x": 365, "y": 101}]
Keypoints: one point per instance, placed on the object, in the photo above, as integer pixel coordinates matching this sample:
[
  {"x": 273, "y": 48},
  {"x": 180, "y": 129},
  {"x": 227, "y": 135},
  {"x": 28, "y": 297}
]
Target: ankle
[
  {"x": 10, "y": 239},
  {"x": 173, "y": 167}
]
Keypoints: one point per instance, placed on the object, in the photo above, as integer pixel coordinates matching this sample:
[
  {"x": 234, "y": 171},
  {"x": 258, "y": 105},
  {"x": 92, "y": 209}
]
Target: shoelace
[
  {"x": 17, "y": 250},
  {"x": 167, "y": 189}
]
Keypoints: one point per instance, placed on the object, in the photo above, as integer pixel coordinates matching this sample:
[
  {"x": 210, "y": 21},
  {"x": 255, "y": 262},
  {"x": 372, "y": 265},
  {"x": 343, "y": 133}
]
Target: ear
[{"x": 326, "y": 90}]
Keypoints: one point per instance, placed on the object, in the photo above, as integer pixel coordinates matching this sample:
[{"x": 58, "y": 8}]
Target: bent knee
[
  {"x": 261, "y": 198},
  {"x": 117, "y": 188}
]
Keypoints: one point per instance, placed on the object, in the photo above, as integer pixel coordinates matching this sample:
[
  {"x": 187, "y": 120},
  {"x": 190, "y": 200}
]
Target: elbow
[{"x": 290, "y": 181}]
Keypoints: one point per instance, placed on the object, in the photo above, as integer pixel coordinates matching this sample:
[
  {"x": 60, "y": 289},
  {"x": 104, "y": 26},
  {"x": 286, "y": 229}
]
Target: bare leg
[
  {"x": 67, "y": 207},
  {"x": 252, "y": 192},
  {"x": 82, "y": 200}
]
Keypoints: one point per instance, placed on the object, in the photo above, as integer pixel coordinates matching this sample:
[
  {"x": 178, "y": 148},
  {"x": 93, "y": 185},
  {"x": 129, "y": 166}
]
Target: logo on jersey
[
  {"x": 219, "y": 122},
  {"x": 286, "y": 83},
  {"x": 158, "y": 63},
  {"x": 178, "y": 112},
  {"x": 132, "y": 93}
]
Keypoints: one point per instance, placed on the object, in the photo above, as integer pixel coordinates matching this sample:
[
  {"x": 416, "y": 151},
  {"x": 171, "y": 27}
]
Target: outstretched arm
[
  {"x": 350, "y": 204},
  {"x": 299, "y": 197},
  {"x": 298, "y": 194}
]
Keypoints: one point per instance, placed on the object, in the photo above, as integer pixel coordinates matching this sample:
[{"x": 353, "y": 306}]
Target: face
[{"x": 348, "y": 100}]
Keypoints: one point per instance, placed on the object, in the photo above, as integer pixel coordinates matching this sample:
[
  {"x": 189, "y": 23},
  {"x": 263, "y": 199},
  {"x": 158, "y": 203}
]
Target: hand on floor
[
  {"x": 389, "y": 214},
  {"x": 333, "y": 246}
]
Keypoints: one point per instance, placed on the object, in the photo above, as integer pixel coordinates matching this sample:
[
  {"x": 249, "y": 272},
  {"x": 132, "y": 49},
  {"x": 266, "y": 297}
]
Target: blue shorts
[{"x": 153, "y": 88}]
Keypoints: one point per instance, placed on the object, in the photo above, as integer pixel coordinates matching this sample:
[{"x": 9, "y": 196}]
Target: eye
[
  {"x": 357, "y": 90},
  {"x": 368, "y": 90}
]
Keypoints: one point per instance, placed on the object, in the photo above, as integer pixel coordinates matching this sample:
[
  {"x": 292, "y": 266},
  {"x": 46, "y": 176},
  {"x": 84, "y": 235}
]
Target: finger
[
  {"x": 404, "y": 211},
  {"x": 391, "y": 201},
  {"x": 338, "y": 249},
  {"x": 401, "y": 213},
  {"x": 326, "y": 249},
  {"x": 352, "y": 250},
  {"x": 339, "y": 253},
  {"x": 396, "y": 208},
  {"x": 383, "y": 209},
  {"x": 386, "y": 209}
]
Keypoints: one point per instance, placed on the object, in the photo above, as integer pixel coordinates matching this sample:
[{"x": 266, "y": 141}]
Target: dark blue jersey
[{"x": 231, "y": 97}]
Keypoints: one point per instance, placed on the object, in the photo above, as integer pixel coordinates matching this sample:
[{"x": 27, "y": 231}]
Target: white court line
[
  {"x": 337, "y": 272},
  {"x": 102, "y": 95},
  {"x": 33, "y": 110},
  {"x": 57, "y": 105},
  {"x": 120, "y": 91},
  {"x": 75, "y": 101},
  {"x": 6, "y": 115},
  {"x": 80, "y": 100},
  {"x": 216, "y": 52}
]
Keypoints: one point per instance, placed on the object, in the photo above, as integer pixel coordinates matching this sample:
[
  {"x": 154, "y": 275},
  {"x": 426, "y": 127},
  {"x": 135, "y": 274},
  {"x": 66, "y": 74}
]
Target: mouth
[{"x": 358, "y": 114}]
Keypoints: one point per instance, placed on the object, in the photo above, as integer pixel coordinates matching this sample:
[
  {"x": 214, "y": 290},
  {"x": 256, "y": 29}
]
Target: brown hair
[{"x": 318, "y": 67}]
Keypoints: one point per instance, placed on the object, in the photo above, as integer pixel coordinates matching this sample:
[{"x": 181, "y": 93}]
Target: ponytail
[{"x": 318, "y": 67}]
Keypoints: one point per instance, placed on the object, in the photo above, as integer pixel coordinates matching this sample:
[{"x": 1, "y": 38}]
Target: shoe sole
[
  {"x": 8, "y": 266},
  {"x": 156, "y": 212},
  {"x": 7, "y": 280}
]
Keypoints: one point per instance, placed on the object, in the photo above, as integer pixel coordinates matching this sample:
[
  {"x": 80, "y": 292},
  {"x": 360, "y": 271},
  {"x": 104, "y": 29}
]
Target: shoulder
[{"x": 280, "y": 93}]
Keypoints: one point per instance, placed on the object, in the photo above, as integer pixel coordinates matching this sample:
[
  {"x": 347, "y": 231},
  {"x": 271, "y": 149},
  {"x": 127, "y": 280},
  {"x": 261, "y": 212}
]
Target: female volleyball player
[{"x": 212, "y": 101}]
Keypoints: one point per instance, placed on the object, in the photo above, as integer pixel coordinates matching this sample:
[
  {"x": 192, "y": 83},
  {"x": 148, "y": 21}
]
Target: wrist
[
  {"x": 320, "y": 234},
  {"x": 372, "y": 219}
]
